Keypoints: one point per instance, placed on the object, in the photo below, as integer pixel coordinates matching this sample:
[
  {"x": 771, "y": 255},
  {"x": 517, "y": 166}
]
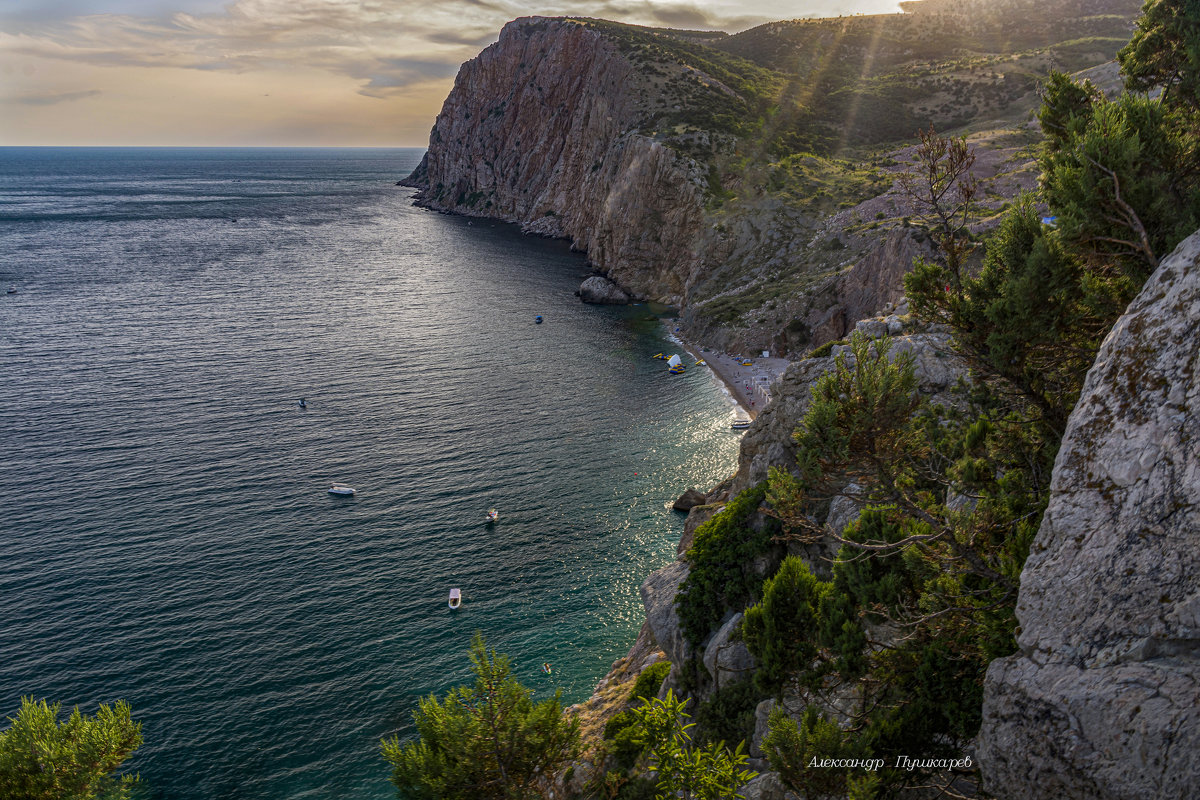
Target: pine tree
[
  {"x": 488, "y": 741},
  {"x": 44, "y": 759}
]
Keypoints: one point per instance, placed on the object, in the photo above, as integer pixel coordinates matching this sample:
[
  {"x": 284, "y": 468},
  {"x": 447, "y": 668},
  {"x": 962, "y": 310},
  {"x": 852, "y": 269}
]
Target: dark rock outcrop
[
  {"x": 1103, "y": 699},
  {"x": 689, "y": 500},
  {"x": 602, "y": 291}
]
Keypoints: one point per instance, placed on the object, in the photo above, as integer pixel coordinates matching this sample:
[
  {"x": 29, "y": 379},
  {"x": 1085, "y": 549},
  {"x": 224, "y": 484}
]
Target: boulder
[
  {"x": 725, "y": 659},
  {"x": 762, "y": 719},
  {"x": 1102, "y": 701},
  {"x": 602, "y": 291},
  {"x": 696, "y": 517},
  {"x": 689, "y": 500},
  {"x": 766, "y": 786},
  {"x": 872, "y": 328},
  {"x": 658, "y": 597},
  {"x": 844, "y": 509}
]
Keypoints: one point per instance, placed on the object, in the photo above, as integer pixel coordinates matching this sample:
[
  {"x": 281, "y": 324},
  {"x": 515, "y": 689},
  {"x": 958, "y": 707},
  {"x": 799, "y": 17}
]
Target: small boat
[
  {"x": 493, "y": 515},
  {"x": 11, "y": 290},
  {"x": 546, "y": 668},
  {"x": 538, "y": 319},
  {"x": 745, "y": 362},
  {"x": 302, "y": 403},
  {"x": 455, "y": 599},
  {"x": 740, "y": 422},
  {"x": 341, "y": 490}
]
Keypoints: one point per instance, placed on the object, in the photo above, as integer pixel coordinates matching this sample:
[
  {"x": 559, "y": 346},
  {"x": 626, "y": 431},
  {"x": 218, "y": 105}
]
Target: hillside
[{"x": 749, "y": 179}]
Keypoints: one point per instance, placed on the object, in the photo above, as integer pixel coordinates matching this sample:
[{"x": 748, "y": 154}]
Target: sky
[{"x": 348, "y": 73}]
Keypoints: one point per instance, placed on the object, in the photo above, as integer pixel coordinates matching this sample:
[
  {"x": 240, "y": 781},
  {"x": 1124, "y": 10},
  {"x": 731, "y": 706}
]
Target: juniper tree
[
  {"x": 42, "y": 758},
  {"x": 487, "y": 741}
]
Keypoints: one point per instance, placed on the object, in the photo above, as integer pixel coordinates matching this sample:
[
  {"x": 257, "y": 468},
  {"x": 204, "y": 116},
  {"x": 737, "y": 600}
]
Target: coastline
[{"x": 741, "y": 381}]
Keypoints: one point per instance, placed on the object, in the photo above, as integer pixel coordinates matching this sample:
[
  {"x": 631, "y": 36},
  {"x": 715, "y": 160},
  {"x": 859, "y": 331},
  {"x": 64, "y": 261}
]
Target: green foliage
[
  {"x": 617, "y": 723},
  {"x": 489, "y": 740},
  {"x": 1124, "y": 184},
  {"x": 42, "y": 758},
  {"x": 1165, "y": 51},
  {"x": 685, "y": 769},
  {"x": 781, "y": 629},
  {"x": 933, "y": 585},
  {"x": 1032, "y": 318},
  {"x": 790, "y": 747},
  {"x": 727, "y": 715},
  {"x": 649, "y": 682},
  {"x": 626, "y": 738},
  {"x": 861, "y": 405},
  {"x": 721, "y": 561}
]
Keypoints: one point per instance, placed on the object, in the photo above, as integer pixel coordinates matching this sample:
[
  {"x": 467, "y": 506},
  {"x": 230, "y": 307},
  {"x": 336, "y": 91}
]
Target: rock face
[
  {"x": 541, "y": 129},
  {"x": 602, "y": 291},
  {"x": 658, "y": 597},
  {"x": 1103, "y": 699},
  {"x": 689, "y": 500},
  {"x": 725, "y": 659}
]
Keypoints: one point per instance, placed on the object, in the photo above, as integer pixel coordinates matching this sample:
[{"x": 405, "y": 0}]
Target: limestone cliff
[
  {"x": 735, "y": 176},
  {"x": 1103, "y": 699},
  {"x": 541, "y": 129}
]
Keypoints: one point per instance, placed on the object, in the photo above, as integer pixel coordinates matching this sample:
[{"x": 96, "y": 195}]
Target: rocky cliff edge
[{"x": 1103, "y": 699}]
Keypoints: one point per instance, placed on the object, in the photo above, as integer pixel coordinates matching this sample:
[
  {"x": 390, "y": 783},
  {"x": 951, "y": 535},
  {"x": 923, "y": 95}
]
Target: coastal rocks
[
  {"x": 696, "y": 517},
  {"x": 541, "y": 129},
  {"x": 844, "y": 509},
  {"x": 726, "y": 657},
  {"x": 658, "y": 597},
  {"x": 689, "y": 500},
  {"x": 602, "y": 291},
  {"x": 762, "y": 726},
  {"x": 1103, "y": 699}
]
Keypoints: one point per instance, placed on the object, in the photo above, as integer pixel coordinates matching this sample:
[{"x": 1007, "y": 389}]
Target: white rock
[{"x": 1103, "y": 699}]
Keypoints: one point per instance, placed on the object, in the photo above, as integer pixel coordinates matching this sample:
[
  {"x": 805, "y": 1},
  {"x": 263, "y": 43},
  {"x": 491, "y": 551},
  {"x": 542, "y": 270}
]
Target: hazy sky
[{"x": 280, "y": 72}]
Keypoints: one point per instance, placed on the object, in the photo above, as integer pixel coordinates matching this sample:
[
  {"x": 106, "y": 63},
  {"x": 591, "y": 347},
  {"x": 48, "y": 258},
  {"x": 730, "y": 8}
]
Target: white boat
[
  {"x": 341, "y": 490},
  {"x": 455, "y": 599},
  {"x": 740, "y": 422},
  {"x": 493, "y": 515}
]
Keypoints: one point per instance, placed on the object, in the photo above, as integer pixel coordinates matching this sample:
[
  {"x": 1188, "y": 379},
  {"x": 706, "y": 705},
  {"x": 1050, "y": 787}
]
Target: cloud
[
  {"x": 370, "y": 41},
  {"x": 383, "y": 45},
  {"x": 52, "y": 99}
]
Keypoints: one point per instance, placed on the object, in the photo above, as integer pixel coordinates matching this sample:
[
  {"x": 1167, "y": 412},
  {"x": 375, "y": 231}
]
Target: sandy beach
[{"x": 747, "y": 384}]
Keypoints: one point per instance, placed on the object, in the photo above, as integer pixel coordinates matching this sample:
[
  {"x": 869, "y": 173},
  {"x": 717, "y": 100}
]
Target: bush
[
  {"x": 721, "y": 558},
  {"x": 781, "y": 630},
  {"x": 650, "y": 681},
  {"x": 728, "y": 714}
]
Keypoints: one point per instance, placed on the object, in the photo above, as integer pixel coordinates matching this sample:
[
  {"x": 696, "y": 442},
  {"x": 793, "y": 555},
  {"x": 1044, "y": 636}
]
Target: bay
[{"x": 167, "y": 537}]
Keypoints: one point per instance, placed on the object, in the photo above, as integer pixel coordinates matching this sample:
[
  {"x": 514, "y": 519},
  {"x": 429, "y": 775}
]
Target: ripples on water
[{"x": 167, "y": 537}]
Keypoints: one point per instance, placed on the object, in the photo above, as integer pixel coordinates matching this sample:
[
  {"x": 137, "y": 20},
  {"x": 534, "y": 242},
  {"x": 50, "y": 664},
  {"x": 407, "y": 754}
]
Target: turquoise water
[{"x": 166, "y": 535}]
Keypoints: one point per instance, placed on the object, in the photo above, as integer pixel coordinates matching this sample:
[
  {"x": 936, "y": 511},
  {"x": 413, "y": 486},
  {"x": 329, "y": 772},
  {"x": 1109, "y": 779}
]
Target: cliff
[
  {"x": 747, "y": 179},
  {"x": 1103, "y": 699},
  {"x": 541, "y": 129}
]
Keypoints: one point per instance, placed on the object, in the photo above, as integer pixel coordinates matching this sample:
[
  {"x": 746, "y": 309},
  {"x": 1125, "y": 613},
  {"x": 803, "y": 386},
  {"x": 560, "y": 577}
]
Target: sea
[{"x": 167, "y": 536}]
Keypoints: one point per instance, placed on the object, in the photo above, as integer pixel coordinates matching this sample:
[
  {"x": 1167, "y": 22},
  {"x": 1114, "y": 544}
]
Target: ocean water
[{"x": 166, "y": 536}]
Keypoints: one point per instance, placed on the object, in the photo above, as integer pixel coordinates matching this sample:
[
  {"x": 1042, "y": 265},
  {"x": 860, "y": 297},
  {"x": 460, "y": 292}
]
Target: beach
[{"x": 749, "y": 385}]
